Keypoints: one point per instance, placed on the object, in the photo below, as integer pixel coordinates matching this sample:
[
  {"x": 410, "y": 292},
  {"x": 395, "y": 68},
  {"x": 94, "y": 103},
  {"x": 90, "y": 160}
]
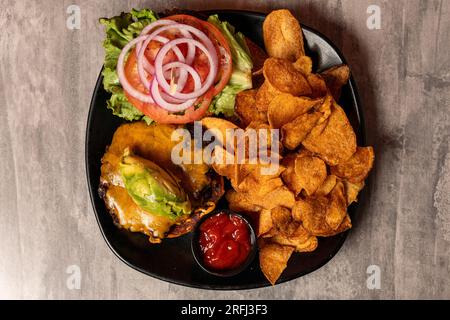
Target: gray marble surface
[{"x": 47, "y": 75}]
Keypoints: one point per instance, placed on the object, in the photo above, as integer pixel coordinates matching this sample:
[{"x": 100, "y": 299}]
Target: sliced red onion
[
  {"x": 186, "y": 31},
  {"x": 141, "y": 57},
  {"x": 153, "y": 36},
  {"x": 160, "y": 74},
  {"x": 121, "y": 73},
  {"x": 165, "y": 104},
  {"x": 184, "y": 28},
  {"x": 148, "y": 67},
  {"x": 146, "y": 64},
  {"x": 159, "y": 87},
  {"x": 179, "y": 106},
  {"x": 149, "y": 28}
]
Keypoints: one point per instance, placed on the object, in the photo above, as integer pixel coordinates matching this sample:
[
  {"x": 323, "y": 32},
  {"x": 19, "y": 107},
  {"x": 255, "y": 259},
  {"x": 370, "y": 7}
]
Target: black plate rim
[{"x": 359, "y": 113}]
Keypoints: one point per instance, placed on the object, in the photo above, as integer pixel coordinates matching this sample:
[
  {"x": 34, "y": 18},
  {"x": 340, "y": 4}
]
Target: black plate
[{"x": 172, "y": 260}]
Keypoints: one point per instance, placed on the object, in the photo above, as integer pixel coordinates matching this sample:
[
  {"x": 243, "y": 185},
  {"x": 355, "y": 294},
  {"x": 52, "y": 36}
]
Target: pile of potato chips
[{"x": 322, "y": 168}]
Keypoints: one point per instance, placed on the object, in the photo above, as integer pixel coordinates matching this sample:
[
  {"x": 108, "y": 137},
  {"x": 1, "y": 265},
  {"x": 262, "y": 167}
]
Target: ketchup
[{"x": 224, "y": 241}]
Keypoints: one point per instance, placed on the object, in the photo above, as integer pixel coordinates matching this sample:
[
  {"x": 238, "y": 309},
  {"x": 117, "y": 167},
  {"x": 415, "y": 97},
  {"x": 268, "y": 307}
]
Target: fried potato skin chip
[
  {"x": 323, "y": 216},
  {"x": 285, "y": 107},
  {"x": 265, "y": 222},
  {"x": 260, "y": 188},
  {"x": 335, "y": 78},
  {"x": 311, "y": 173},
  {"x": 295, "y": 132},
  {"x": 304, "y": 64},
  {"x": 327, "y": 186},
  {"x": 357, "y": 168},
  {"x": 309, "y": 245},
  {"x": 318, "y": 86},
  {"x": 273, "y": 259},
  {"x": 239, "y": 202},
  {"x": 246, "y": 108},
  {"x": 282, "y": 75},
  {"x": 281, "y": 196},
  {"x": 282, "y": 221},
  {"x": 266, "y": 93},
  {"x": 283, "y": 37},
  {"x": 231, "y": 171},
  {"x": 254, "y": 202},
  {"x": 300, "y": 239},
  {"x": 289, "y": 177},
  {"x": 352, "y": 190},
  {"x": 334, "y": 140},
  {"x": 219, "y": 125},
  {"x": 311, "y": 212},
  {"x": 338, "y": 207}
]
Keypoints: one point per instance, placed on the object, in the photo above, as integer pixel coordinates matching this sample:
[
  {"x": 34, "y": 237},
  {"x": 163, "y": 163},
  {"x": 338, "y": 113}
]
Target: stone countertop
[{"x": 48, "y": 229}]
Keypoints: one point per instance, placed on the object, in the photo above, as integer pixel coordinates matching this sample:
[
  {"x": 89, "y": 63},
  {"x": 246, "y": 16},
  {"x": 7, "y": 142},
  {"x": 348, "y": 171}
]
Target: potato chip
[
  {"x": 352, "y": 190},
  {"x": 318, "y": 86},
  {"x": 311, "y": 212},
  {"x": 282, "y": 75},
  {"x": 337, "y": 209},
  {"x": 246, "y": 109},
  {"x": 304, "y": 64},
  {"x": 283, "y": 37},
  {"x": 323, "y": 216},
  {"x": 252, "y": 185},
  {"x": 282, "y": 220},
  {"x": 357, "y": 167},
  {"x": 261, "y": 125},
  {"x": 285, "y": 107},
  {"x": 295, "y": 132},
  {"x": 273, "y": 259},
  {"x": 220, "y": 126},
  {"x": 253, "y": 201},
  {"x": 231, "y": 171},
  {"x": 325, "y": 109},
  {"x": 256, "y": 170},
  {"x": 266, "y": 93},
  {"x": 281, "y": 196},
  {"x": 345, "y": 225},
  {"x": 300, "y": 239},
  {"x": 265, "y": 222},
  {"x": 258, "y": 124},
  {"x": 311, "y": 172},
  {"x": 327, "y": 186},
  {"x": 305, "y": 153},
  {"x": 334, "y": 140},
  {"x": 336, "y": 78},
  {"x": 308, "y": 246},
  {"x": 289, "y": 176},
  {"x": 240, "y": 202}
]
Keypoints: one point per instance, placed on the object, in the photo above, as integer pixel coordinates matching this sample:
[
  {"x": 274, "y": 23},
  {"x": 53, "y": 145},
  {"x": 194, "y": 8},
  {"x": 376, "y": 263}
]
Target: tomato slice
[
  {"x": 200, "y": 64},
  {"x": 154, "y": 111},
  {"x": 220, "y": 42}
]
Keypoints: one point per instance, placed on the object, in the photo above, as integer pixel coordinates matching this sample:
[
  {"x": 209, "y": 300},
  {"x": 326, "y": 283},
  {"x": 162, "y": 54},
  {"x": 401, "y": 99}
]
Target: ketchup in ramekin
[{"x": 225, "y": 242}]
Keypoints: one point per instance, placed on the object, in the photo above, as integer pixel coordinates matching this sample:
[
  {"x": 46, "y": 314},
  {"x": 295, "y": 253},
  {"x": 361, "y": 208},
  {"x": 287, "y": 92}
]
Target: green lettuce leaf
[
  {"x": 119, "y": 31},
  {"x": 241, "y": 78}
]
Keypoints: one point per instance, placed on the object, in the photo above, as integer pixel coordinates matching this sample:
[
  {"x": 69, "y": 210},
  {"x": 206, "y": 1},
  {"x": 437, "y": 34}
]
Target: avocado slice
[{"x": 152, "y": 188}]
